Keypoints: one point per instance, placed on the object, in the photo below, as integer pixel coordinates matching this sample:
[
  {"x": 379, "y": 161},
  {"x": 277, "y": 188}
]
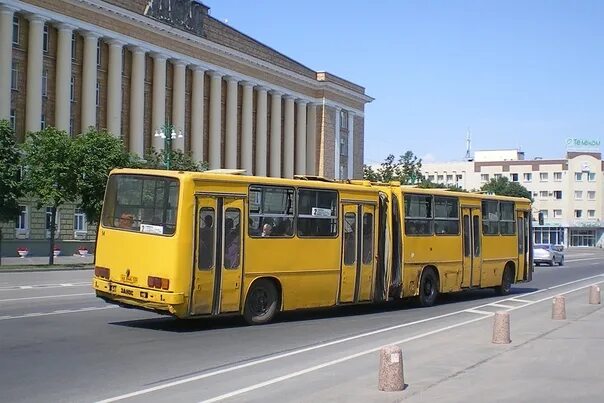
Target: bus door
[
  {"x": 472, "y": 254},
  {"x": 524, "y": 267},
  {"x": 216, "y": 286},
  {"x": 356, "y": 275}
]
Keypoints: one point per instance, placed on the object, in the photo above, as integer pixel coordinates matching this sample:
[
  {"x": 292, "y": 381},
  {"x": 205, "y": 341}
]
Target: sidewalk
[{"x": 75, "y": 262}]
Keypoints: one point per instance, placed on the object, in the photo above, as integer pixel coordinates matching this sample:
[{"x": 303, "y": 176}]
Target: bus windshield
[{"x": 141, "y": 203}]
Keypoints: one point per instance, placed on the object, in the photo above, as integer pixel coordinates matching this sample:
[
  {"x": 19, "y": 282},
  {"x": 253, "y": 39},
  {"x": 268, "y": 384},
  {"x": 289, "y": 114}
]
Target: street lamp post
[{"x": 168, "y": 133}]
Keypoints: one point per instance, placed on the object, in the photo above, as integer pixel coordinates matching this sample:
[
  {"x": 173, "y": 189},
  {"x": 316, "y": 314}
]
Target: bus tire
[
  {"x": 506, "y": 281},
  {"x": 261, "y": 303},
  {"x": 428, "y": 288}
]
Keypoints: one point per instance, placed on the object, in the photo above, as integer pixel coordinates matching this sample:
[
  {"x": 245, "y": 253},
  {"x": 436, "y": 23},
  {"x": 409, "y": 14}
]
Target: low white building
[{"x": 568, "y": 192}]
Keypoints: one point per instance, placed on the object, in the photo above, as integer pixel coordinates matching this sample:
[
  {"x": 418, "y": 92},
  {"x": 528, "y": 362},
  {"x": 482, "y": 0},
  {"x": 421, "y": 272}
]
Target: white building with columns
[{"x": 130, "y": 66}]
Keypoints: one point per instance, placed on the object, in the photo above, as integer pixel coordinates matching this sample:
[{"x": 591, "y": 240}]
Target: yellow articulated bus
[{"x": 200, "y": 244}]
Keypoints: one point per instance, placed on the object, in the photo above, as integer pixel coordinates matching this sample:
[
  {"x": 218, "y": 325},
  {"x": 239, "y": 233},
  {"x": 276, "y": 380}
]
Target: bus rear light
[
  {"x": 102, "y": 272},
  {"x": 158, "y": 282}
]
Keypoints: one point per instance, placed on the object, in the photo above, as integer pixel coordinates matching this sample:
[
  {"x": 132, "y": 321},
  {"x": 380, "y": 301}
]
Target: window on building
[
  {"x": 98, "y": 53},
  {"x": 591, "y": 176},
  {"x": 71, "y": 126},
  {"x": 98, "y": 93},
  {"x": 484, "y": 177},
  {"x": 440, "y": 178},
  {"x": 543, "y": 176},
  {"x": 431, "y": 178},
  {"x": 45, "y": 83},
  {"x": 344, "y": 119},
  {"x": 458, "y": 178},
  {"x": 43, "y": 122},
  {"x": 14, "y": 76},
  {"x": 16, "y": 30},
  {"x": 72, "y": 89},
  {"x": 45, "y": 38},
  {"x": 514, "y": 177},
  {"x": 317, "y": 213},
  {"x": 498, "y": 176},
  {"x": 591, "y": 195},
  {"x": 543, "y": 194},
  {"x": 22, "y": 223},
  {"x": 74, "y": 43},
  {"x": 528, "y": 177},
  {"x": 578, "y": 213},
  {"x": 557, "y": 194},
  {"x": 344, "y": 146},
  {"x": 578, "y": 176},
  {"x": 449, "y": 178},
  {"x": 558, "y": 176},
  {"x": 271, "y": 206},
  {"x": 591, "y": 213},
  {"x": 578, "y": 195},
  {"x": 544, "y": 213},
  {"x": 79, "y": 221},
  {"x": 13, "y": 119},
  {"x": 557, "y": 213}
]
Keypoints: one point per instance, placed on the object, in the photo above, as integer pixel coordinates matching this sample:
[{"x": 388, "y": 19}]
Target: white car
[{"x": 547, "y": 254}]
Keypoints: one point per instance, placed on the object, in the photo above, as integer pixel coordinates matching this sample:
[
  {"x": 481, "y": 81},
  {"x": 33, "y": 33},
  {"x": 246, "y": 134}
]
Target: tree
[
  {"x": 179, "y": 161},
  {"x": 10, "y": 187},
  {"x": 407, "y": 170},
  {"x": 503, "y": 187},
  {"x": 51, "y": 173},
  {"x": 96, "y": 153}
]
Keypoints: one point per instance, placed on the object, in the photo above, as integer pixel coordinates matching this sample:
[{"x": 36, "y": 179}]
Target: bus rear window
[{"x": 141, "y": 203}]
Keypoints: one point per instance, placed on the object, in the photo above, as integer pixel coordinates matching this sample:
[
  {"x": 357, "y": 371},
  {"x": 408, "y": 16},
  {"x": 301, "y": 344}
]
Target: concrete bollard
[
  {"x": 559, "y": 307},
  {"x": 594, "y": 295},
  {"x": 501, "y": 328},
  {"x": 391, "y": 369}
]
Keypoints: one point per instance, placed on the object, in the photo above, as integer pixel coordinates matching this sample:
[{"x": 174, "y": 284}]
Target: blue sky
[{"x": 526, "y": 74}]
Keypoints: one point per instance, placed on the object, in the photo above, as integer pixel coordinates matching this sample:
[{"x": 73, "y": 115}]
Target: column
[
  {"x": 33, "y": 92},
  {"x": 261, "y": 133},
  {"x": 301, "y": 137},
  {"x": 158, "y": 103},
  {"x": 63, "y": 77},
  {"x": 178, "y": 103},
  {"x": 89, "y": 79},
  {"x": 6, "y": 58},
  {"x": 114, "y": 88},
  {"x": 288, "y": 138},
  {"x": 336, "y": 139},
  {"x": 311, "y": 139},
  {"x": 247, "y": 133},
  {"x": 137, "y": 101},
  {"x": 230, "y": 152},
  {"x": 197, "y": 113},
  {"x": 350, "y": 145},
  {"x": 215, "y": 147},
  {"x": 275, "y": 145}
]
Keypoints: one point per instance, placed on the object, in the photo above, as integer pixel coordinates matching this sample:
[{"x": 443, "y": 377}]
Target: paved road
[{"x": 59, "y": 343}]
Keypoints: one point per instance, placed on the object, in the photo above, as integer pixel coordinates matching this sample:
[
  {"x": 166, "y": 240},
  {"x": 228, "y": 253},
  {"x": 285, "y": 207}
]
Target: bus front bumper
[{"x": 141, "y": 297}]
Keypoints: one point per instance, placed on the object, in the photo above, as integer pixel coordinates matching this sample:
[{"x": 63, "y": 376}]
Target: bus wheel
[
  {"x": 428, "y": 288},
  {"x": 506, "y": 282},
  {"x": 261, "y": 302}
]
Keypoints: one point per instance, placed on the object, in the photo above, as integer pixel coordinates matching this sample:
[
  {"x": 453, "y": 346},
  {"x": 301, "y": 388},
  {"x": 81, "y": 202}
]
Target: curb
[{"x": 43, "y": 269}]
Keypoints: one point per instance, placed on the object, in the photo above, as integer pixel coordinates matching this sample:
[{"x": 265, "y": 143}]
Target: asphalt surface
[{"x": 59, "y": 343}]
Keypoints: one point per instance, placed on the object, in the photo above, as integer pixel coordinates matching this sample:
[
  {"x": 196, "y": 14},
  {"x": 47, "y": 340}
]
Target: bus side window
[{"x": 206, "y": 238}]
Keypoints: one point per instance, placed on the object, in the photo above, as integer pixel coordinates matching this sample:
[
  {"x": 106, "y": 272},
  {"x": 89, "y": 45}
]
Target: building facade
[
  {"x": 567, "y": 193},
  {"x": 130, "y": 66}
]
